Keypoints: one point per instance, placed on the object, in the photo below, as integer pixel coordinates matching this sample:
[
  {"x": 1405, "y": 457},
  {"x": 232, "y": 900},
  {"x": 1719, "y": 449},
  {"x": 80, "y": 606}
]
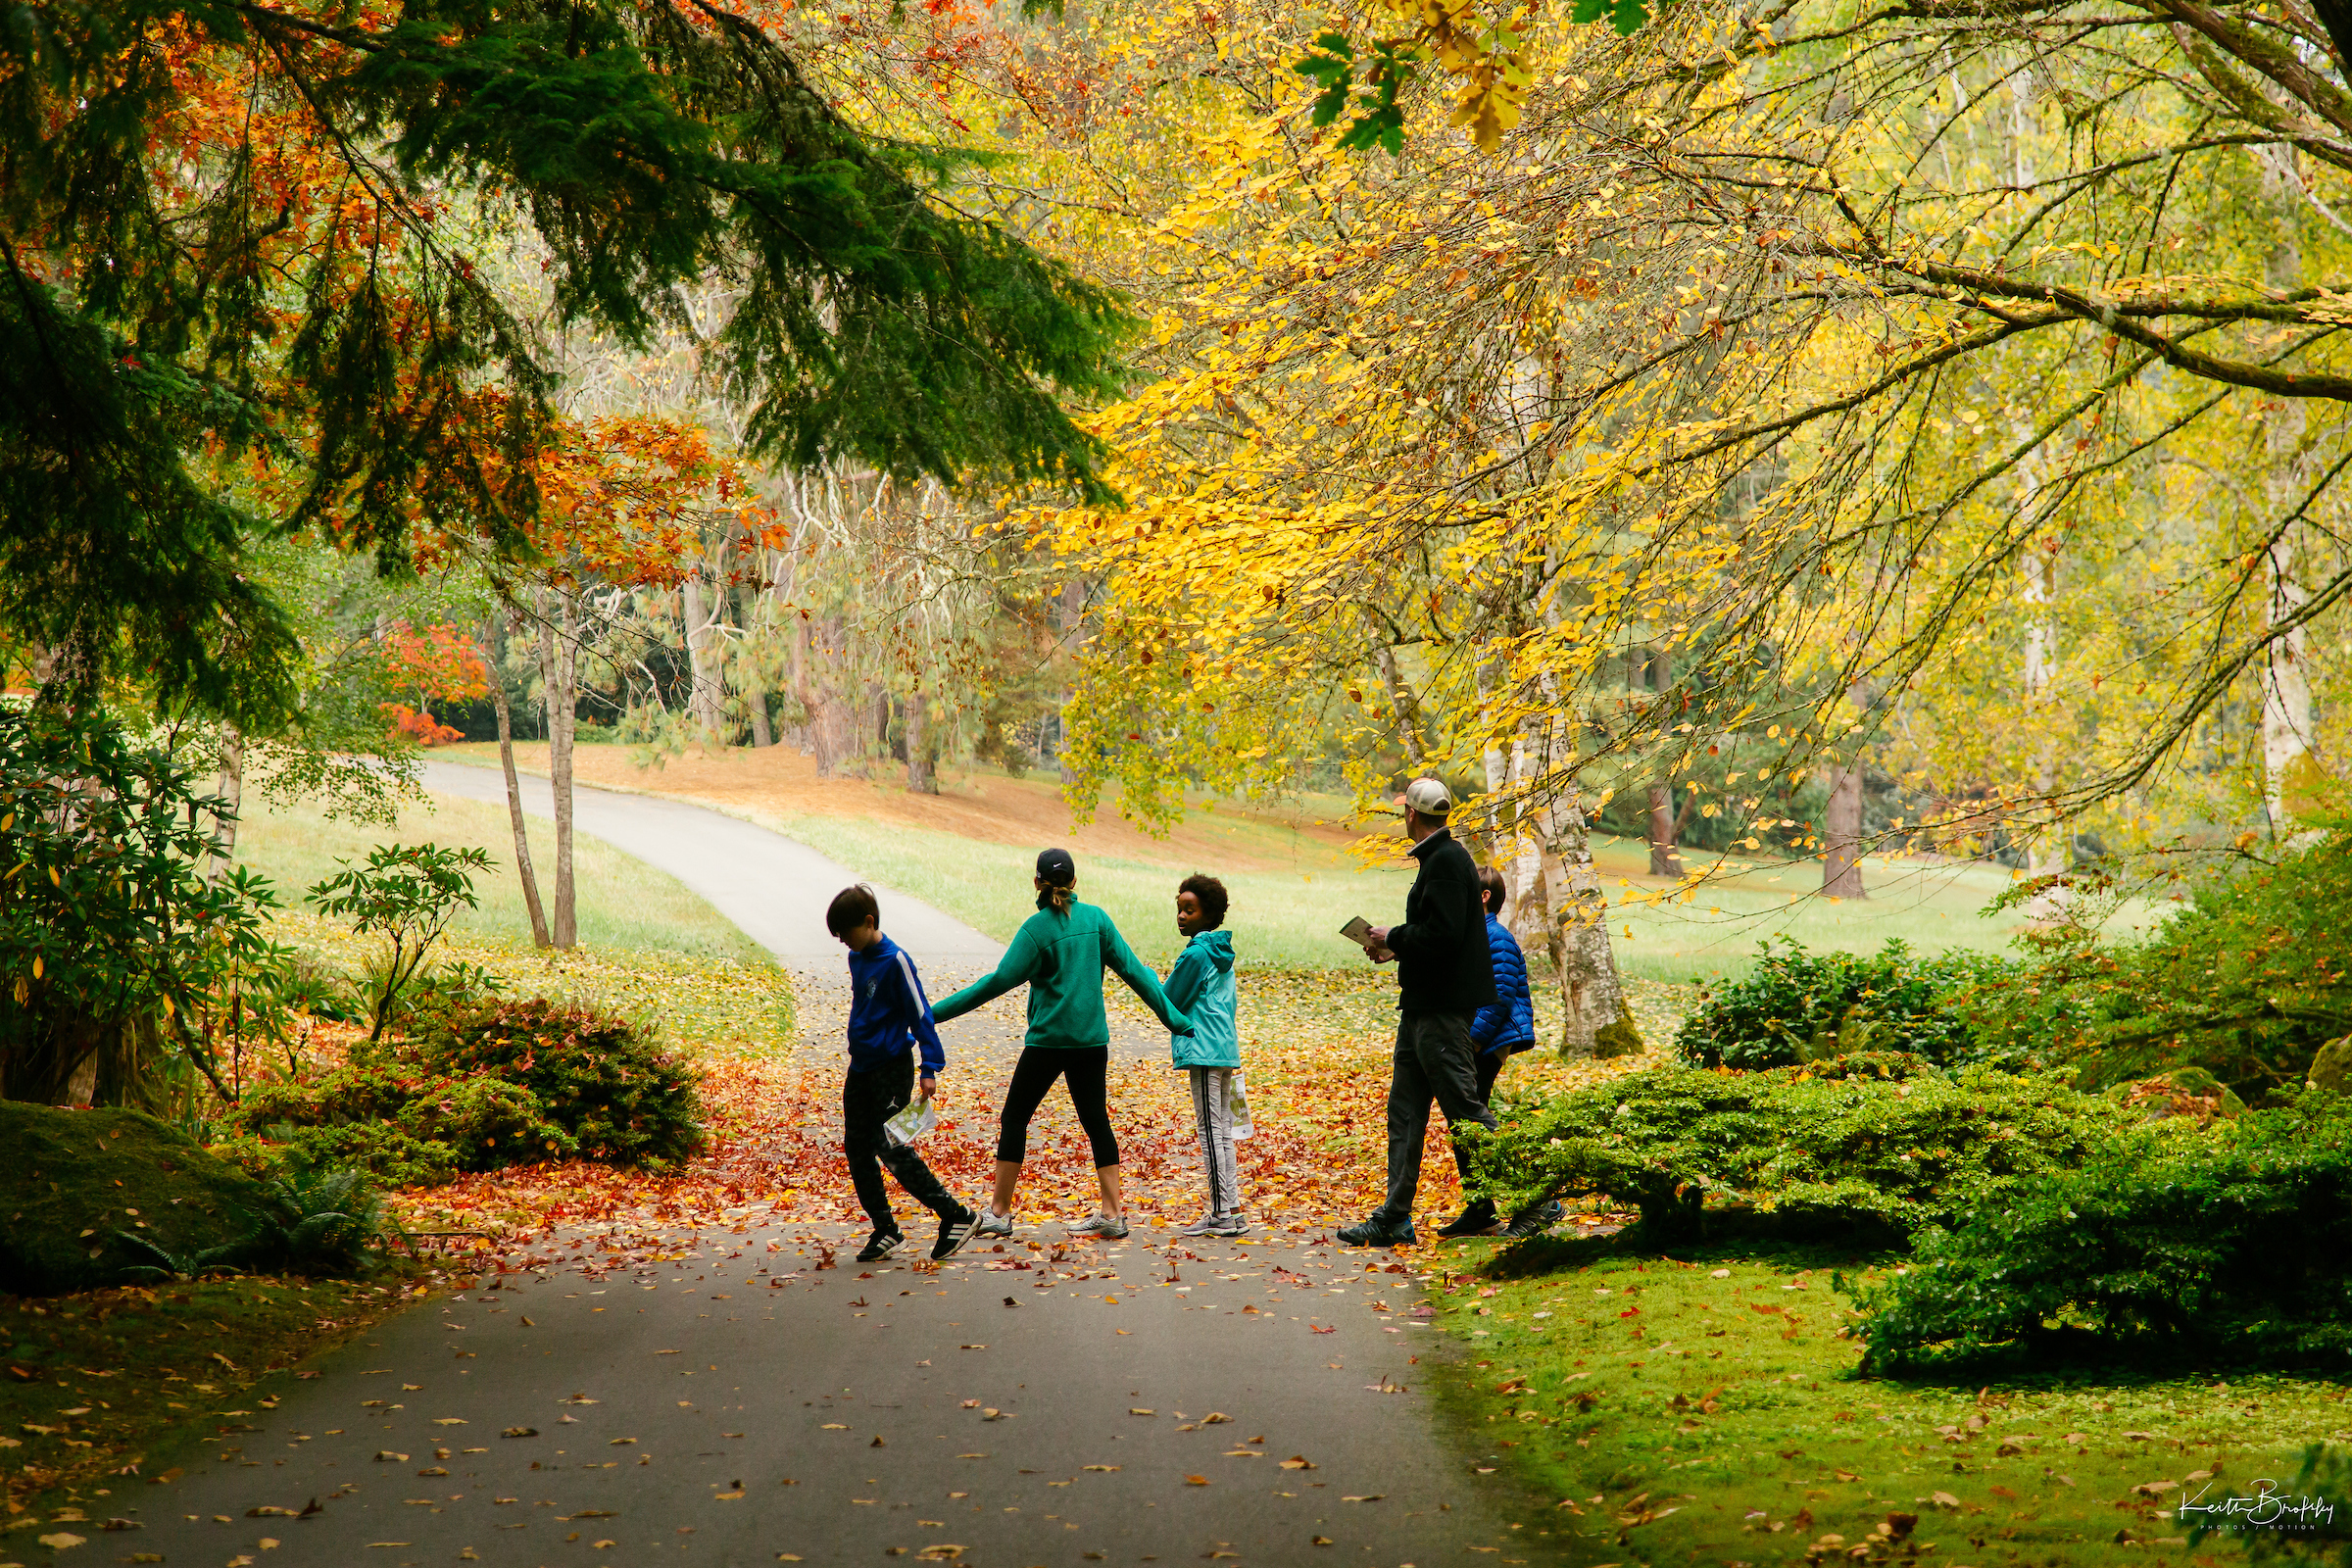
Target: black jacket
[{"x": 1441, "y": 959}]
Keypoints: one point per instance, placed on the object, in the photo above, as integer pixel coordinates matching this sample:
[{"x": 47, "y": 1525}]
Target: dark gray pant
[
  {"x": 870, "y": 1098},
  {"x": 1432, "y": 1061}
]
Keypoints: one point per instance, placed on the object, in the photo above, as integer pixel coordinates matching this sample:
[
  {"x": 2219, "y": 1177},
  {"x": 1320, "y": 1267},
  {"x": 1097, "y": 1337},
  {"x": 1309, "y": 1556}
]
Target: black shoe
[
  {"x": 954, "y": 1232},
  {"x": 881, "y": 1245},
  {"x": 1476, "y": 1220},
  {"x": 1378, "y": 1232},
  {"x": 1533, "y": 1222}
]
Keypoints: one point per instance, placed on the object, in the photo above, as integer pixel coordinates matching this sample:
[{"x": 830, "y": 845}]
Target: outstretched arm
[
  {"x": 1121, "y": 960},
  {"x": 1017, "y": 967}
]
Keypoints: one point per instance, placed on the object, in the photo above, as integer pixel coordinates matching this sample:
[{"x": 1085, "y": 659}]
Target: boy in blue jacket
[
  {"x": 888, "y": 1015},
  {"x": 1201, "y": 985},
  {"x": 1500, "y": 1030}
]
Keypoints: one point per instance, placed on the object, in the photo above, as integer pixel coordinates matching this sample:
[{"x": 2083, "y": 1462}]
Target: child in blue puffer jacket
[
  {"x": 1501, "y": 1029},
  {"x": 1211, "y": 1054}
]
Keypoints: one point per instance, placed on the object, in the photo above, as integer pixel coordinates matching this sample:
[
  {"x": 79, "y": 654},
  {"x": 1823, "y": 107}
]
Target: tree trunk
[
  {"x": 494, "y": 634},
  {"x": 803, "y": 733},
  {"x": 1408, "y": 708},
  {"x": 2287, "y": 723},
  {"x": 922, "y": 777},
  {"x": 558, "y": 654},
  {"x": 1072, "y": 613},
  {"x": 706, "y": 702},
  {"x": 831, "y": 722},
  {"x": 231, "y": 788},
  {"x": 1665, "y": 858},
  {"x": 1841, "y": 865},
  {"x": 1595, "y": 1020},
  {"x": 754, "y": 692}
]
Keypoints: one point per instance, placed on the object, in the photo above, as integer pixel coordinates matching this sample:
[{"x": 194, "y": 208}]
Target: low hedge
[
  {"x": 1883, "y": 1143},
  {"x": 2227, "y": 1242}
]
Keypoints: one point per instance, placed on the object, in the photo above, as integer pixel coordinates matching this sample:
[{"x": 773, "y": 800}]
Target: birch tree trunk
[
  {"x": 230, "y": 787},
  {"x": 559, "y": 655},
  {"x": 1595, "y": 1020},
  {"x": 1408, "y": 708},
  {"x": 1841, "y": 831},
  {"x": 494, "y": 634},
  {"x": 2287, "y": 724}
]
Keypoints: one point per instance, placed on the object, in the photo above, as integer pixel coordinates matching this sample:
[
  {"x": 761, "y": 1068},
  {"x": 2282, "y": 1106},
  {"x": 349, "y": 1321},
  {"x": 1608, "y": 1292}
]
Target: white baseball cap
[{"x": 1428, "y": 796}]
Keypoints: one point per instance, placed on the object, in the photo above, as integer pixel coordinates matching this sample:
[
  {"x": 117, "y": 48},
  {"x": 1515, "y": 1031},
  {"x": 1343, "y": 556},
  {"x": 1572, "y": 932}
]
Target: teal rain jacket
[{"x": 1201, "y": 985}]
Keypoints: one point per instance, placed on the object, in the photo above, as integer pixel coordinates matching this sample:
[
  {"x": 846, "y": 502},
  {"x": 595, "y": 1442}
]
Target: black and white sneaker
[
  {"x": 954, "y": 1232},
  {"x": 881, "y": 1245}
]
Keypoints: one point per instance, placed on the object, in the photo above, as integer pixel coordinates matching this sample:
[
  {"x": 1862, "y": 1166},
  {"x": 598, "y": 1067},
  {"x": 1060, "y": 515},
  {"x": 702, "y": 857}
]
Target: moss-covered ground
[
  {"x": 98, "y": 1392},
  {"x": 1707, "y": 1407}
]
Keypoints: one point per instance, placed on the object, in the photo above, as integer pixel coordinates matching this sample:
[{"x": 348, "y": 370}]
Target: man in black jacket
[{"x": 1443, "y": 977}]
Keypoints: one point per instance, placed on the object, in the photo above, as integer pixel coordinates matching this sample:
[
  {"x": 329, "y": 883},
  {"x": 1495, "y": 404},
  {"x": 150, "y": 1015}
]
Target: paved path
[
  {"x": 725, "y": 1400},
  {"x": 733, "y": 1405},
  {"x": 773, "y": 887}
]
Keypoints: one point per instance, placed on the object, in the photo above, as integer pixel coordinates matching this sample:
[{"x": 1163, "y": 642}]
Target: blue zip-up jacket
[
  {"x": 888, "y": 1009},
  {"x": 1507, "y": 1023},
  {"x": 1201, "y": 984}
]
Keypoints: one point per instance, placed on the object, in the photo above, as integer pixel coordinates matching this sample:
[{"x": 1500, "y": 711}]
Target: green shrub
[
  {"x": 482, "y": 1083},
  {"x": 392, "y": 1154},
  {"x": 2233, "y": 1241},
  {"x": 1798, "y": 1005},
  {"x": 2248, "y": 980},
  {"x": 1886, "y": 1144},
  {"x": 607, "y": 1083}
]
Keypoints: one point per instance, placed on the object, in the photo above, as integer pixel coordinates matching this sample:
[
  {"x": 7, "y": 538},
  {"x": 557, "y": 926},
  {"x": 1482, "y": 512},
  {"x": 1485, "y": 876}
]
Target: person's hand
[
  {"x": 1379, "y": 956},
  {"x": 1377, "y": 938},
  {"x": 930, "y": 1086}
]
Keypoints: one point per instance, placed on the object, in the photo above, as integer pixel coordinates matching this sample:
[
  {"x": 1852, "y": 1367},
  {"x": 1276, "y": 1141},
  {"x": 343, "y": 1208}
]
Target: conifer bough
[{"x": 234, "y": 299}]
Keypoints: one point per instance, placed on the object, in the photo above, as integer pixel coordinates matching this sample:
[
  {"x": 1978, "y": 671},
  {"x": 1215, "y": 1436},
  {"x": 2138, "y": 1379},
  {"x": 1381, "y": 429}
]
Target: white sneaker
[
  {"x": 991, "y": 1223},
  {"x": 1104, "y": 1227}
]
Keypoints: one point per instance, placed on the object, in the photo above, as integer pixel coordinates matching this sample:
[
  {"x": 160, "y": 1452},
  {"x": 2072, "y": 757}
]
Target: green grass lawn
[
  {"x": 624, "y": 904},
  {"x": 1703, "y": 1408}
]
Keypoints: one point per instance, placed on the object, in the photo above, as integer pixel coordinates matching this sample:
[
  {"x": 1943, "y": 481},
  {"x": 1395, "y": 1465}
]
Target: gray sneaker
[
  {"x": 1229, "y": 1225},
  {"x": 991, "y": 1223},
  {"x": 1206, "y": 1225},
  {"x": 1102, "y": 1227}
]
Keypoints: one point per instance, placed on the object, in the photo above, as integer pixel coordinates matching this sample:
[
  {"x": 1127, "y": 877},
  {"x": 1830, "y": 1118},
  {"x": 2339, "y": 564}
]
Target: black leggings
[{"x": 1087, "y": 1072}]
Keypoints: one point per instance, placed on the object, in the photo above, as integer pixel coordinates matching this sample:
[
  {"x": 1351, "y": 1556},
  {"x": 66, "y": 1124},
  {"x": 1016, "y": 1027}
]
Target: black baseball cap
[{"x": 1057, "y": 868}]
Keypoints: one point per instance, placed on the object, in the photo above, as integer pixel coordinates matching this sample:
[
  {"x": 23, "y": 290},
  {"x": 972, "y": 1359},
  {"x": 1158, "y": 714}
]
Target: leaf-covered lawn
[
  {"x": 90, "y": 1382},
  {"x": 1705, "y": 1409}
]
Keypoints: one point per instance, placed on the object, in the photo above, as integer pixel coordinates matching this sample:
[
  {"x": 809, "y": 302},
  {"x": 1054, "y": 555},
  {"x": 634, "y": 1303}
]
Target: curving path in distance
[{"x": 774, "y": 888}]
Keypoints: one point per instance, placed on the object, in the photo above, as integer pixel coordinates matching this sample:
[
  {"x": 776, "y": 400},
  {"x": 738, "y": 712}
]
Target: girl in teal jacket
[
  {"x": 1060, "y": 953},
  {"x": 1201, "y": 984}
]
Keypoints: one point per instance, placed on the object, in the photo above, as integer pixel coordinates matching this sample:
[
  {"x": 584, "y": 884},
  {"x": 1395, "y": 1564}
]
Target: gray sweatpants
[
  {"x": 1212, "y": 1114},
  {"x": 1432, "y": 1061}
]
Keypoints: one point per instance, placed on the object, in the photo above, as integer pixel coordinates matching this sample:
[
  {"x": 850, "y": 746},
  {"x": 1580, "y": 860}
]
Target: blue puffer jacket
[{"x": 1507, "y": 1023}]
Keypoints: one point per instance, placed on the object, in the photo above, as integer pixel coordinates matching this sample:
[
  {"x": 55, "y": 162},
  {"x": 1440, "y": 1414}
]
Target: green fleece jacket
[{"x": 1061, "y": 958}]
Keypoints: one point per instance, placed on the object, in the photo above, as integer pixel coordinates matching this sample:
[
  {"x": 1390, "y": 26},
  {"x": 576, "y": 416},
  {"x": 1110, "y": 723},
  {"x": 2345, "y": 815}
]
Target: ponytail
[{"x": 1058, "y": 899}]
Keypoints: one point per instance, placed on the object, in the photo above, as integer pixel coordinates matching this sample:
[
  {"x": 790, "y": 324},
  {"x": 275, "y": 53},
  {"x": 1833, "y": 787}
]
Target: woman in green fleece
[{"x": 1061, "y": 951}]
